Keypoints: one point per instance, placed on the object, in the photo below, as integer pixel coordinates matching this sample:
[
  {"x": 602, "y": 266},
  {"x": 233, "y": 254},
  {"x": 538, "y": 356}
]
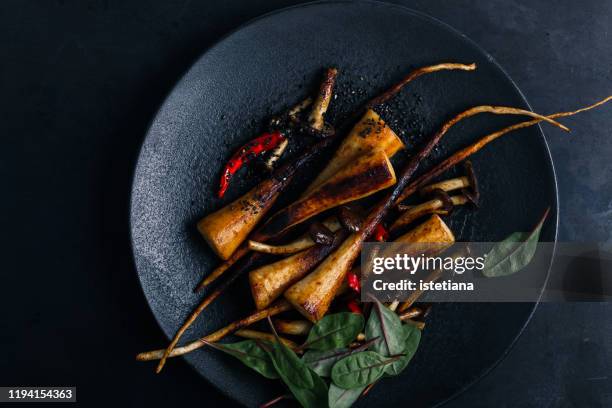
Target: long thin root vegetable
[
  {"x": 293, "y": 247},
  {"x": 277, "y": 308},
  {"x": 364, "y": 176},
  {"x": 259, "y": 335},
  {"x": 270, "y": 281},
  {"x": 392, "y": 91},
  {"x": 370, "y": 133},
  {"x": 466, "y": 152},
  {"x": 312, "y": 295}
]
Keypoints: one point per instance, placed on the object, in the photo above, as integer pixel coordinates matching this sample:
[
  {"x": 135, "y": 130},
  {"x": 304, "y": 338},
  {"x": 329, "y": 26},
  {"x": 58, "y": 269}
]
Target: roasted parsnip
[
  {"x": 270, "y": 281},
  {"x": 370, "y": 133},
  {"x": 364, "y": 176}
]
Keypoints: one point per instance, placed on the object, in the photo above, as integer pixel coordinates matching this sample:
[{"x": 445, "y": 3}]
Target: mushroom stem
[
  {"x": 276, "y": 153},
  {"x": 429, "y": 207},
  {"x": 321, "y": 103},
  {"x": 446, "y": 185}
]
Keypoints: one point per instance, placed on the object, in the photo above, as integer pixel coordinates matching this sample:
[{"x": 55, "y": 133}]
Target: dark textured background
[{"x": 81, "y": 79}]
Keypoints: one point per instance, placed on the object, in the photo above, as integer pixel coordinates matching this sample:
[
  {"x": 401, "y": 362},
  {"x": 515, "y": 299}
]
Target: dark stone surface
[{"x": 81, "y": 79}]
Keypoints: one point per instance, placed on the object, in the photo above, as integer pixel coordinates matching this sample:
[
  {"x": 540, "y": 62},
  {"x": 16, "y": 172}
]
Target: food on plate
[{"x": 301, "y": 255}]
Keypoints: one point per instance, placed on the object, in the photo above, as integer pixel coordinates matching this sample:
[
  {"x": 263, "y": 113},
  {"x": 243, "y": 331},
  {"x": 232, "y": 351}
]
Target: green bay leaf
[{"x": 514, "y": 252}]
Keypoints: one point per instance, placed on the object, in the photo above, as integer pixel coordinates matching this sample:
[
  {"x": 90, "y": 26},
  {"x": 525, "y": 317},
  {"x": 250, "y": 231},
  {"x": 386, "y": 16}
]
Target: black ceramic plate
[{"x": 273, "y": 62}]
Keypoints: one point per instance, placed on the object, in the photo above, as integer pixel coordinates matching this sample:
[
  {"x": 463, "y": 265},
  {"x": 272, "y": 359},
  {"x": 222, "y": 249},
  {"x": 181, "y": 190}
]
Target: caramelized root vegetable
[
  {"x": 385, "y": 96},
  {"x": 259, "y": 335},
  {"x": 429, "y": 207},
  {"x": 432, "y": 231},
  {"x": 293, "y": 327},
  {"x": 313, "y": 294},
  {"x": 298, "y": 245},
  {"x": 368, "y": 134},
  {"x": 284, "y": 174},
  {"x": 277, "y": 308},
  {"x": 365, "y": 176},
  {"x": 270, "y": 281},
  {"x": 466, "y": 152},
  {"x": 225, "y": 229}
]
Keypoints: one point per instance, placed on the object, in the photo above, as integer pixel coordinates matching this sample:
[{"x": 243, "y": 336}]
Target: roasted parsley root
[
  {"x": 225, "y": 229},
  {"x": 364, "y": 176},
  {"x": 279, "y": 307},
  {"x": 270, "y": 281},
  {"x": 370, "y": 133}
]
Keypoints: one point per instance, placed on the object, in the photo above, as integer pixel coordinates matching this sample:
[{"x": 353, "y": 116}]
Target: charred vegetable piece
[
  {"x": 363, "y": 177},
  {"x": 225, "y": 229},
  {"x": 270, "y": 281},
  {"x": 369, "y": 133}
]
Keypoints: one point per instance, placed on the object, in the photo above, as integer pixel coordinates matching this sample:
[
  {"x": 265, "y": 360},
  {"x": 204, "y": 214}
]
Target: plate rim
[{"x": 378, "y": 3}]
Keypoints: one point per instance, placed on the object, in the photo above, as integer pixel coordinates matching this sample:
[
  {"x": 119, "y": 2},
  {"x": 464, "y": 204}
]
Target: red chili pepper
[
  {"x": 354, "y": 307},
  {"x": 380, "y": 233},
  {"x": 261, "y": 144},
  {"x": 353, "y": 282}
]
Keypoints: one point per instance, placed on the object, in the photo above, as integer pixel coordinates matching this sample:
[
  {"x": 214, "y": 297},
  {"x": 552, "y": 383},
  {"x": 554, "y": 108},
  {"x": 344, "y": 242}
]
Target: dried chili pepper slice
[
  {"x": 380, "y": 233},
  {"x": 353, "y": 282},
  {"x": 257, "y": 146},
  {"x": 353, "y": 306}
]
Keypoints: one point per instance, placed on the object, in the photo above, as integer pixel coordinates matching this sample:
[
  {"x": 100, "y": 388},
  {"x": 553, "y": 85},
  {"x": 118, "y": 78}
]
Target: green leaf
[
  {"x": 306, "y": 386},
  {"x": 413, "y": 338},
  {"x": 321, "y": 362},
  {"x": 289, "y": 367},
  {"x": 359, "y": 369},
  {"x": 252, "y": 355},
  {"x": 387, "y": 326},
  {"x": 334, "y": 331},
  {"x": 513, "y": 253},
  {"x": 342, "y": 398},
  {"x": 313, "y": 397}
]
